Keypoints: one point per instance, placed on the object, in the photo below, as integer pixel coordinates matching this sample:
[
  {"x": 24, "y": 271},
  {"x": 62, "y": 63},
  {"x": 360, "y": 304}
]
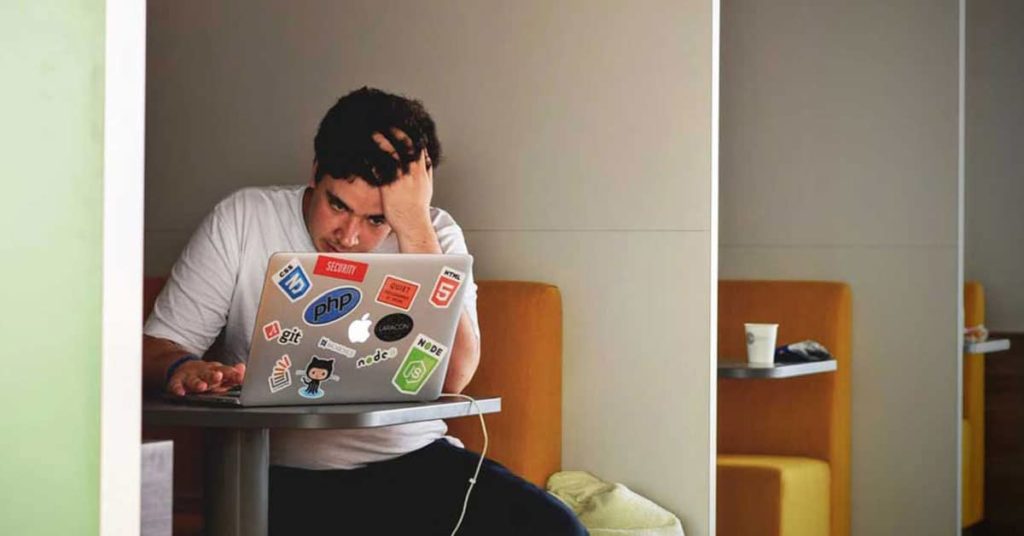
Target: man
[{"x": 370, "y": 191}]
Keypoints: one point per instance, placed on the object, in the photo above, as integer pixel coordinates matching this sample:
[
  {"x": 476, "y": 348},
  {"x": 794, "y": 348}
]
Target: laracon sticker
[
  {"x": 331, "y": 306},
  {"x": 317, "y": 372},
  {"x": 448, "y": 283},
  {"x": 393, "y": 327},
  {"x": 376, "y": 357},
  {"x": 292, "y": 280},
  {"x": 397, "y": 292},
  {"x": 421, "y": 361},
  {"x": 290, "y": 336},
  {"x": 339, "y": 268},
  {"x": 281, "y": 377},
  {"x": 359, "y": 330},
  {"x": 336, "y": 347},
  {"x": 272, "y": 330}
]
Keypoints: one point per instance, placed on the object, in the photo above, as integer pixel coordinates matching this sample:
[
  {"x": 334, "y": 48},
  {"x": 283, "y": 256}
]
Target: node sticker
[
  {"x": 421, "y": 361},
  {"x": 281, "y": 377},
  {"x": 292, "y": 280},
  {"x": 448, "y": 283},
  {"x": 376, "y": 357},
  {"x": 397, "y": 292},
  {"x": 340, "y": 268},
  {"x": 336, "y": 347}
]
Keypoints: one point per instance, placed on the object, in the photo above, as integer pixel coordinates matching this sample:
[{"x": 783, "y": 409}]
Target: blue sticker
[
  {"x": 292, "y": 280},
  {"x": 331, "y": 306}
]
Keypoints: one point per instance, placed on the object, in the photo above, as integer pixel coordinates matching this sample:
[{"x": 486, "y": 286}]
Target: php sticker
[
  {"x": 292, "y": 280},
  {"x": 339, "y": 268},
  {"x": 393, "y": 327},
  {"x": 317, "y": 372},
  {"x": 290, "y": 336},
  {"x": 397, "y": 292},
  {"x": 421, "y": 361},
  {"x": 336, "y": 347},
  {"x": 281, "y": 376},
  {"x": 272, "y": 330},
  {"x": 331, "y": 306},
  {"x": 376, "y": 357},
  {"x": 448, "y": 283}
]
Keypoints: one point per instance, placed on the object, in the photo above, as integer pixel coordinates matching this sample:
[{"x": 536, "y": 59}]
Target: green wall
[{"x": 51, "y": 168}]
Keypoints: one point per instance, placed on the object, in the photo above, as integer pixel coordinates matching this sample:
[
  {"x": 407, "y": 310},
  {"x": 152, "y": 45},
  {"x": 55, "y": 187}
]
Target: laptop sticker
[
  {"x": 448, "y": 283},
  {"x": 292, "y": 280},
  {"x": 272, "y": 330},
  {"x": 340, "y": 268},
  {"x": 359, "y": 330},
  {"x": 317, "y": 372},
  {"x": 419, "y": 364},
  {"x": 290, "y": 336},
  {"x": 397, "y": 292},
  {"x": 393, "y": 327},
  {"x": 281, "y": 376},
  {"x": 336, "y": 347},
  {"x": 376, "y": 357},
  {"x": 331, "y": 306}
]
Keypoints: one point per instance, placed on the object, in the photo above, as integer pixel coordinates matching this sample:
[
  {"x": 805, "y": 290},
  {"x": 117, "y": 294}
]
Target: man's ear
[{"x": 312, "y": 174}]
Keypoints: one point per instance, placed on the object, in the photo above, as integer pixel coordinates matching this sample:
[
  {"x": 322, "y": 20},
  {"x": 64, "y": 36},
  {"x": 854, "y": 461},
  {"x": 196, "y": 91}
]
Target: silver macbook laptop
[{"x": 345, "y": 328}]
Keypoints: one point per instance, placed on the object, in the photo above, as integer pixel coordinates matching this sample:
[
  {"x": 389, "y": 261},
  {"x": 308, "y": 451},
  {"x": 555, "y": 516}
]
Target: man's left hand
[{"x": 407, "y": 200}]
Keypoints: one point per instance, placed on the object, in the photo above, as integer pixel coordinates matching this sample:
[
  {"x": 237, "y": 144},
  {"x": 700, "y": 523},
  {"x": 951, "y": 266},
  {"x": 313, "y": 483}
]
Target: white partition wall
[
  {"x": 839, "y": 161},
  {"x": 579, "y": 146}
]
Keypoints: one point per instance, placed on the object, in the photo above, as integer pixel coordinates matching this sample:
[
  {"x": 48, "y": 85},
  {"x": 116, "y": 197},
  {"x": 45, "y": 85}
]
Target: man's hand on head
[
  {"x": 406, "y": 201},
  {"x": 205, "y": 377}
]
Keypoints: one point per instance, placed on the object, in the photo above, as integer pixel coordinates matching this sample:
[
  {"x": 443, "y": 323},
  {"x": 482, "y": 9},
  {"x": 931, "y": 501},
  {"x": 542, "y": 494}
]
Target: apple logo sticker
[{"x": 359, "y": 330}]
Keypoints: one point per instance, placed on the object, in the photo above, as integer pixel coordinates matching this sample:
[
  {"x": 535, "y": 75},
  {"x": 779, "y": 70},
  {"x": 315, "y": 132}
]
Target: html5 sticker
[
  {"x": 292, "y": 280},
  {"x": 447, "y": 285},
  {"x": 272, "y": 330},
  {"x": 339, "y": 268},
  {"x": 397, "y": 292}
]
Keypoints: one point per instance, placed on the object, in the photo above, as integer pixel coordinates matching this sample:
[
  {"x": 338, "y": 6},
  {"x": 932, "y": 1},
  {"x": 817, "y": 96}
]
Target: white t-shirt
[{"x": 215, "y": 286}]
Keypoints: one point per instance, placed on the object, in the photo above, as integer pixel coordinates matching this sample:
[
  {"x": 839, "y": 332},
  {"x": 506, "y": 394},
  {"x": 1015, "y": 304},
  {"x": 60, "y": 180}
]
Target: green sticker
[{"x": 421, "y": 361}]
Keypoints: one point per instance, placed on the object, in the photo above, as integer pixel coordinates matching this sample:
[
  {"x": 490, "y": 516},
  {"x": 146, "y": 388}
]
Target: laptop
[{"x": 351, "y": 328}]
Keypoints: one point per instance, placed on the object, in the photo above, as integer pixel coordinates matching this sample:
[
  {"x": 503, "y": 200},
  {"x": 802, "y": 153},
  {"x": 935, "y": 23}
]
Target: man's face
[{"x": 345, "y": 216}]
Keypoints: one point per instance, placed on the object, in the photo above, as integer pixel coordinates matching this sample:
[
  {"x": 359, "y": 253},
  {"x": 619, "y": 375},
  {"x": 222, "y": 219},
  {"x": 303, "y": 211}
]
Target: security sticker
[
  {"x": 272, "y": 330},
  {"x": 376, "y": 357},
  {"x": 290, "y": 336},
  {"x": 336, "y": 347},
  {"x": 292, "y": 280},
  {"x": 421, "y": 361},
  {"x": 281, "y": 376},
  {"x": 448, "y": 283},
  {"x": 393, "y": 327},
  {"x": 397, "y": 292},
  {"x": 317, "y": 372},
  {"x": 339, "y": 268},
  {"x": 331, "y": 306}
]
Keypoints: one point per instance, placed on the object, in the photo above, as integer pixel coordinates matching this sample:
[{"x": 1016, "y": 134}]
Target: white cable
[{"x": 472, "y": 481}]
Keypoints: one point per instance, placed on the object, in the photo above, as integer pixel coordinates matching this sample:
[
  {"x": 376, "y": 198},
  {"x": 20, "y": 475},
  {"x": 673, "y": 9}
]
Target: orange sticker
[{"x": 397, "y": 292}]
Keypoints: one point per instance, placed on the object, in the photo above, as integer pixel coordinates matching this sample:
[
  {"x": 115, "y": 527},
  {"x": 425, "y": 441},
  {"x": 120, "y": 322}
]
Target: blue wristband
[{"x": 177, "y": 363}]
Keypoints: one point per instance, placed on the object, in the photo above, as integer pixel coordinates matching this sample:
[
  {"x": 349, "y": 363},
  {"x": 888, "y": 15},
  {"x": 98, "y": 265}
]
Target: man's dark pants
[{"x": 420, "y": 493}]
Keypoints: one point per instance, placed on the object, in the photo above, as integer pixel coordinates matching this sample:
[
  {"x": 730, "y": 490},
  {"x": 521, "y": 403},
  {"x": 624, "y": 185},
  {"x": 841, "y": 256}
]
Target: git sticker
[
  {"x": 336, "y": 347},
  {"x": 290, "y": 336},
  {"x": 421, "y": 361},
  {"x": 447, "y": 285},
  {"x": 292, "y": 280},
  {"x": 376, "y": 357},
  {"x": 339, "y": 268},
  {"x": 272, "y": 330},
  {"x": 397, "y": 292},
  {"x": 281, "y": 376}
]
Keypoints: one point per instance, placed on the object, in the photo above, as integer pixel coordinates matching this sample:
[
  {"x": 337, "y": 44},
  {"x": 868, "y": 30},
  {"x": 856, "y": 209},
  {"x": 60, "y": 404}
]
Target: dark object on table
[{"x": 802, "y": 352}]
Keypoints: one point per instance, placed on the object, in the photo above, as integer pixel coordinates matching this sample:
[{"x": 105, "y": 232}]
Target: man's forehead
[{"x": 359, "y": 195}]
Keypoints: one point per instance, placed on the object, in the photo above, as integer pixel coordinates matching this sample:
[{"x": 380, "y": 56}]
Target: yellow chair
[
  {"x": 973, "y": 435},
  {"x": 784, "y": 444}
]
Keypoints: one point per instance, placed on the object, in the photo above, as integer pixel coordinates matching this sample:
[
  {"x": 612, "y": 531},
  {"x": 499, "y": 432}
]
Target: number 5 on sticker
[{"x": 448, "y": 283}]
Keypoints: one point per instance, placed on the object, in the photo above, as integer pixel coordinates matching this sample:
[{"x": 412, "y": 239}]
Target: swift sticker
[
  {"x": 331, "y": 306},
  {"x": 281, "y": 377},
  {"x": 290, "y": 336},
  {"x": 292, "y": 280},
  {"x": 272, "y": 330},
  {"x": 359, "y": 330},
  {"x": 376, "y": 357},
  {"x": 448, "y": 283},
  {"x": 317, "y": 372},
  {"x": 340, "y": 268},
  {"x": 421, "y": 361},
  {"x": 397, "y": 292},
  {"x": 336, "y": 347},
  {"x": 393, "y": 327}
]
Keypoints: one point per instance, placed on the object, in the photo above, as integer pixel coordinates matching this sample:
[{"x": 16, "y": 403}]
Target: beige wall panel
[
  {"x": 904, "y": 374},
  {"x": 637, "y": 342}
]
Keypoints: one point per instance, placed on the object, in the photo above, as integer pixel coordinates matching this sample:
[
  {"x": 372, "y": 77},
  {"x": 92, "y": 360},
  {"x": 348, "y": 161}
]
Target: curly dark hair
[{"x": 344, "y": 145}]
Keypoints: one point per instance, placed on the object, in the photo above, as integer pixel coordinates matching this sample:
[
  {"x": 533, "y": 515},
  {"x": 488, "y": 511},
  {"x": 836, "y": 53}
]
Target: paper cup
[{"x": 761, "y": 343}]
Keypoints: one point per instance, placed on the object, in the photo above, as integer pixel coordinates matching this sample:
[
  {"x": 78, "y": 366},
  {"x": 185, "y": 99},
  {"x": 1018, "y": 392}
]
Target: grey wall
[
  {"x": 579, "y": 146},
  {"x": 839, "y": 162},
  {"x": 994, "y": 183}
]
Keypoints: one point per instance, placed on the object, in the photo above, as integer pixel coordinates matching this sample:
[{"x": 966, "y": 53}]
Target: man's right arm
[{"x": 189, "y": 377}]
